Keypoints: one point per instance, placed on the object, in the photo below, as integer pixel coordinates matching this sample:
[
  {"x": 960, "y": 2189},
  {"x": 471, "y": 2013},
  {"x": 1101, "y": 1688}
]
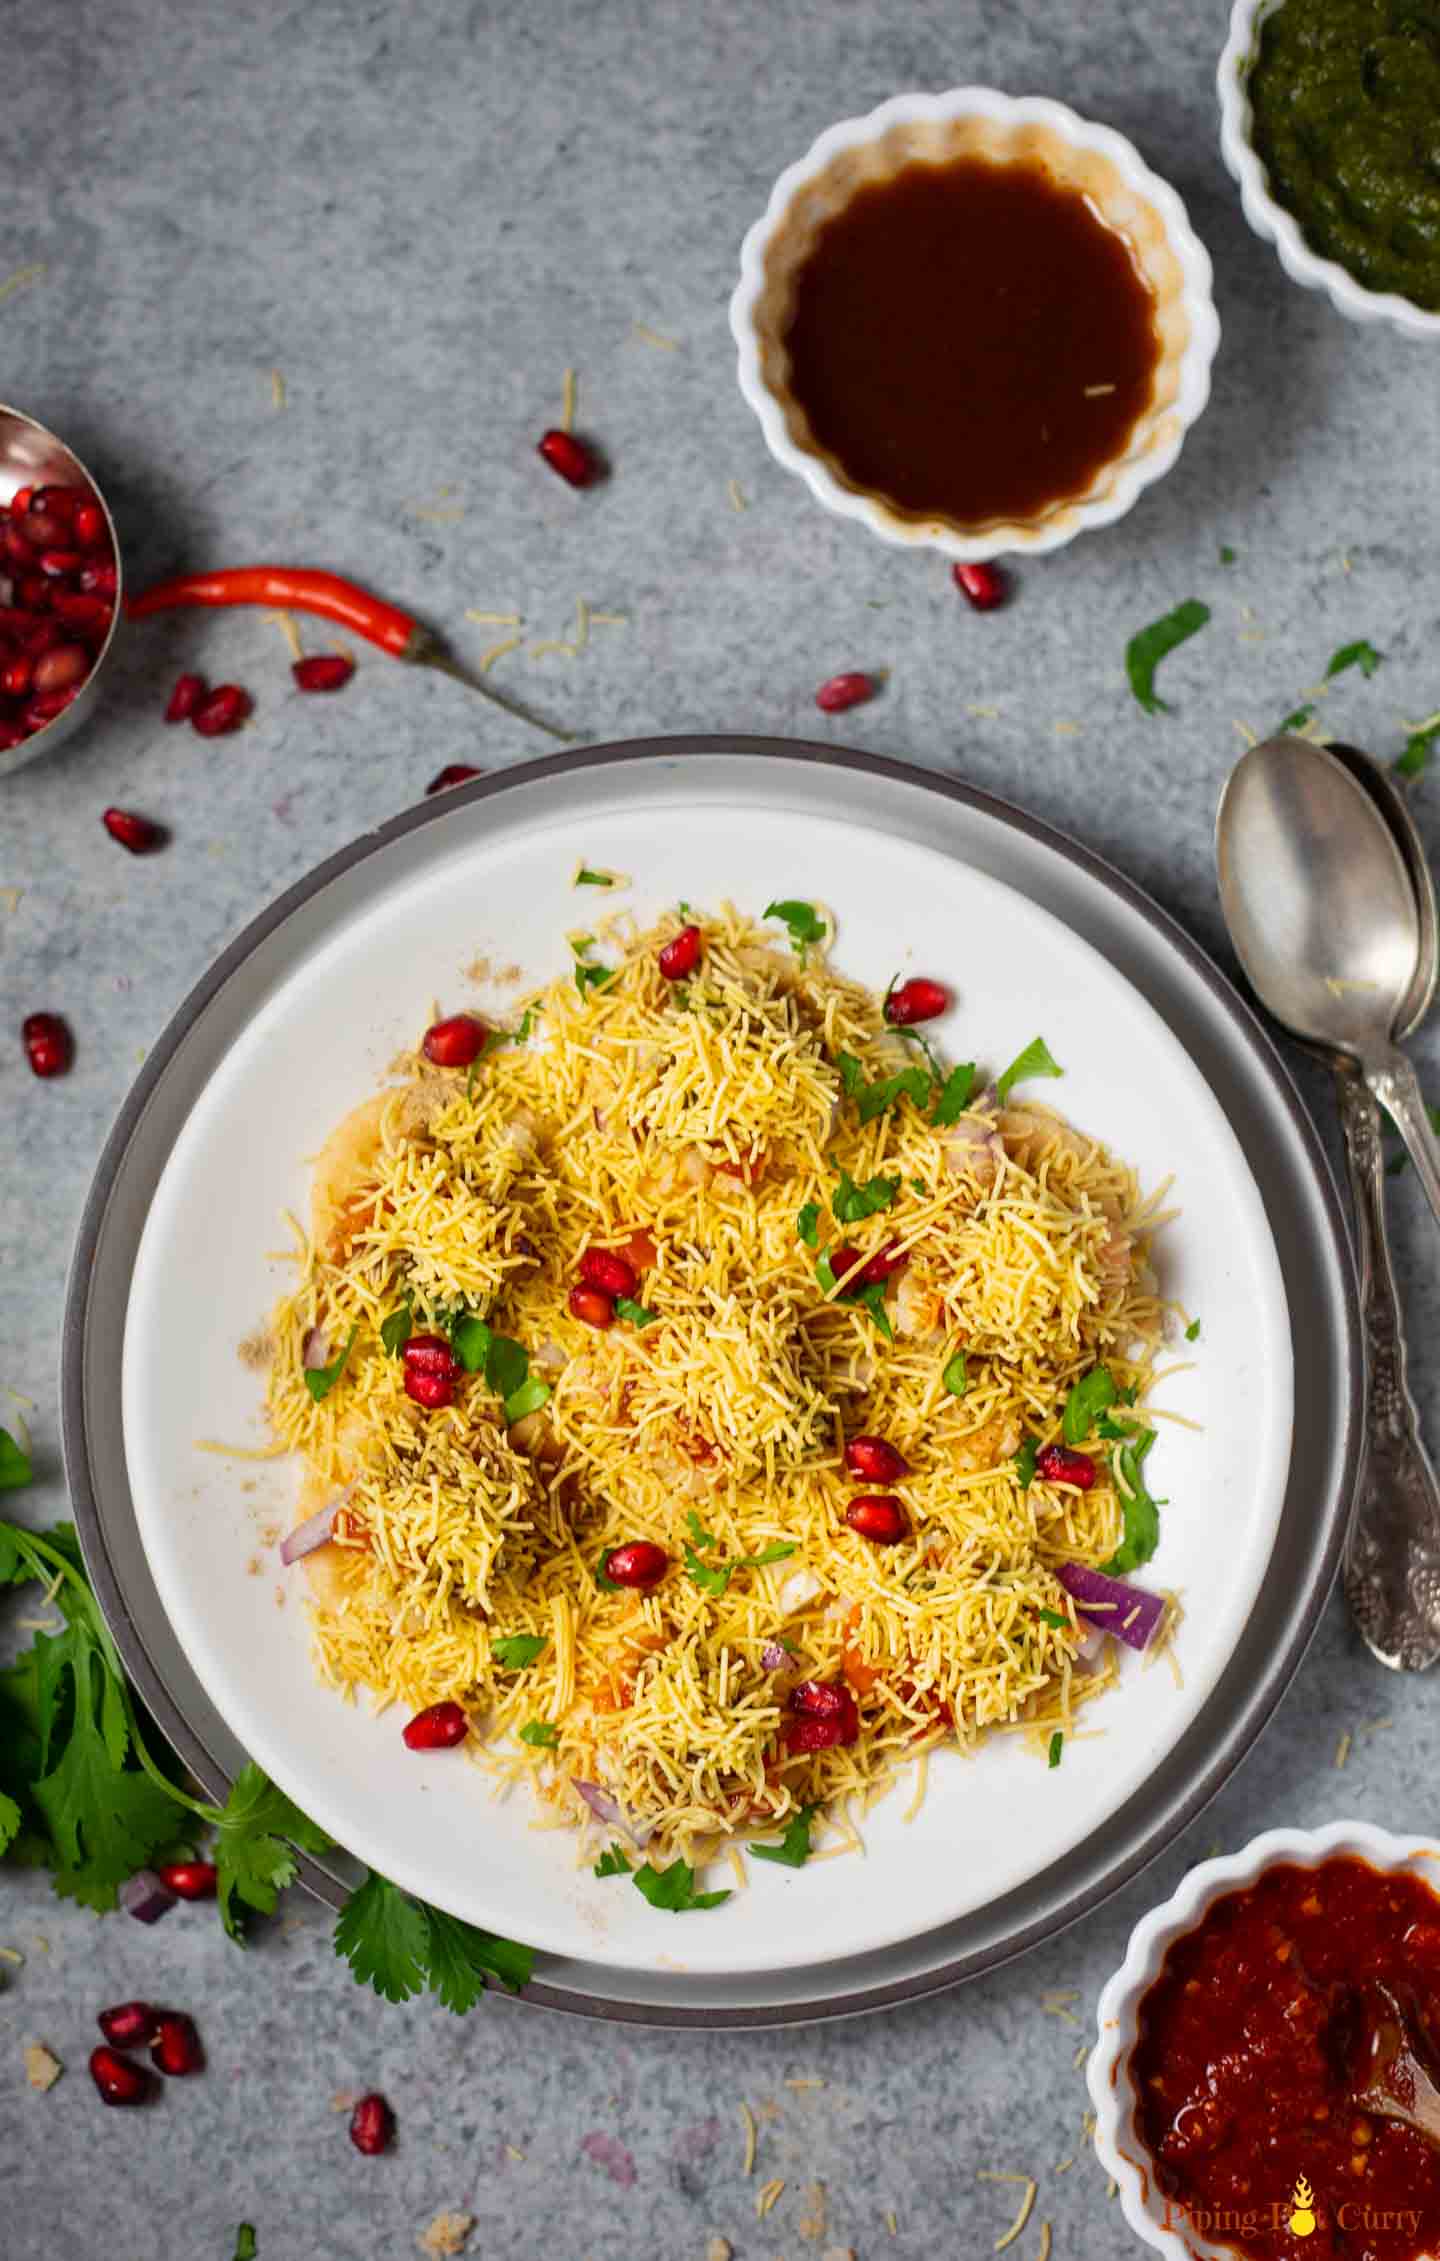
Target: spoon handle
[
  {"x": 1392, "y": 1566},
  {"x": 1394, "y": 1083}
]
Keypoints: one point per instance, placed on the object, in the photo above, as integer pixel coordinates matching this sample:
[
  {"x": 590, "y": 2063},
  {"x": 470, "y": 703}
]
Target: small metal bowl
[{"x": 32, "y": 456}]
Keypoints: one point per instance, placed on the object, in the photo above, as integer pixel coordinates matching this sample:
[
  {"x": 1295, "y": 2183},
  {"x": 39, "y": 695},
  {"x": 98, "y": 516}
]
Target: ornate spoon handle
[
  {"x": 1395, "y": 1084},
  {"x": 1392, "y": 1567}
]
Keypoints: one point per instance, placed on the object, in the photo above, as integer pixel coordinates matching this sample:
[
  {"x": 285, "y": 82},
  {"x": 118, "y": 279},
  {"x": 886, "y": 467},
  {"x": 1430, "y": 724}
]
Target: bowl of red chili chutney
[
  {"x": 974, "y": 322},
  {"x": 1266, "y": 2080}
]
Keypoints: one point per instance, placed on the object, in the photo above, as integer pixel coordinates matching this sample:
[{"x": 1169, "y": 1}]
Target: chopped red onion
[
  {"x": 315, "y": 1350},
  {"x": 1132, "y": 1615},
  {"x": 145, "y": 1897},
  {"x": 773, "y": 1657},
  {"x": 606, "y": 1809},
  {"x": 314, "y": 1531}
]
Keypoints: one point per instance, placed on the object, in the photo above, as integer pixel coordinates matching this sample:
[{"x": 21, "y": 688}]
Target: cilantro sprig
[
  {"x": 401, "y": 1946},
  {"x": 1150, "y": 645},
  {"x": 673, "y": 1888},
  {"x": 850, "y": 1203},
  {"x": 514, "y": 1651},
  {"x": 612, "y": 1862},
  {"x": 1091, "y": 1396},
  {"x": 1034, "y": 1061},
  {"x": 1140, "y": 1534},
  {"x": 794, "y": 1848},
  {"x": 15, "y": 1467},
  {"x": 714, "y": 1577},
  {"x": 803, "y": 921},
  {"x": 321, "y": 1380}
]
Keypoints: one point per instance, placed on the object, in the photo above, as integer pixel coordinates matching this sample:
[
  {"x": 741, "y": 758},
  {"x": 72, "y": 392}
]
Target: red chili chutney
[{"x": 1251, "y": 2052}]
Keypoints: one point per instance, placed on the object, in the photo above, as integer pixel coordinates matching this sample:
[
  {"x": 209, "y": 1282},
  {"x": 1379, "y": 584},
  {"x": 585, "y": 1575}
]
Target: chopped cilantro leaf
[
  {"x": 919, "y": 1186},
  {"x": 793, "y": 1850},
  {"x": 673, "y": 1888},
  {"x": 513, "y": 1651},
  {"x": 1025, "y": 1463},
  {"x": 606, "y": 1585},
  {"x": 852, "y": 1074},
  {"x": 399, "y": 1945},
  {"x": 543, "y": 1734},
  {"x": 851, "y": 1202},
  {"x": 593, "y": 977},
  {"x": 698, "y": 1532},
  {"x": 954, "y": 1095},
  {"x": 245, "y": 2247},
  {"x": 396, "y": 1331},
  {"x": 714, "y": 1578},
  {"x": 612, "y": 1863},
  {"x": 636, "y": 1313},
  {"x": 507, "y": 1363},
  {"x": 803, "y": 921},
  {"x": 1089, "y": 1398},
  {"x": 1295, "y": 721},
  {"x": 1145, "y": 650},
  {"x": 1227, "y": 555},
  {"x": 707, "y": 1576},
  {"x": 1053, "y": 1617},
  {"x": 470, "y": 1339},
  {"x": 584, "y": 877},
  {"x": 956, "y": 1377},
  {"x": 1192, "y": 1332},
  {"x": 1057, "y": 1745},
  {"x": 528, "y": 1399},
  {"x": 15, "y": 1468},
  {"x": 807, "y": 1224},
  {"x": 321, "y": 1380},
  {"x": 1034, "y": 1061},
  {"x": 872, "y": 1299},
  {"x": 1361, "y": 654},
  {"x": 1141, "y": 1513},
  {"x": 1418, "y": 748}
]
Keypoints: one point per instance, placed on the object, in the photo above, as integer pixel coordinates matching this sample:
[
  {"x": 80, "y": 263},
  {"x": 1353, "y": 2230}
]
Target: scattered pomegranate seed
[
  {"x": 118, "y": 2081},
  {"x": 49, "y": 1046},
  {"x": 176, "y": 2049},
  {"x": 984, "y": 585},
  {"x": 592, "y": 1305},
  {"x": 88, "y": 526},
  {"x": 681, "y": 954},
  {"x": 62, "y": 669},
  {"x": 844, "y": 691},
  {"x": 185, "y": 698},
  {"x": 827, "y": 1717},
  {"x": 16, "y": 676},
  {"x": 56, "y": 564},
  {"x": 454, "y": 773},
  {"x": 842, "y": 1260},
  {"x": 323, "y": 671},
  {"x": 917, "y": 1000},
  {"x": 189, "y": 1880},
  {"x": 456, "y": 1042},
  {"x": 56, "y": 502},
  {"x": 574, "y": 461},
  {"x": 884, "y": 1264},
  {"x": 1059, "y": 1465},
  {"x": 438, "y": 1728},
  {"x": 32, "y": 591},
  {"x": 221, "y": 711},
  {"x": 878, "y": 1518},
  {"x": 130, "y": 2025},
  {"x": 91, "y": 615},
  {"x": 603, "y": 1268},
  {"x": 431, "y": 1371},
  {"x": 430, "y": 1390},
  {"x": 638, "y": 1563},
  {"x": 45, "y": 705},
  {"x": 875, "y": 1460},
  {"x": 372, "y": 2123},
  {"x": 136, "y": 833}
]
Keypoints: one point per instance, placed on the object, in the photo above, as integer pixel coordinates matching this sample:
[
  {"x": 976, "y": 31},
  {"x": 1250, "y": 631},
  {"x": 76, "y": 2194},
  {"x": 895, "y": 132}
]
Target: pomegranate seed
[
  {"x": 878, "y": 1518},
  {"x": 221, "y": 711},
  {"x": 681, "y": 955},
  {"x": 574, "y": 461},
  {"x": 62, "y": 669},
  {"x": 828, "y": 1717},
  {"x": 432, "y": 1391},
  {"x": 917, "y": 1000},
  {"x": 592, "y": 1305},
  {"x": 454, "y": 773},
  {"x": 876, "y": 1460},
  {"x": 11, "y": 734},
  {"x": 56, "y": 564},
  {"x": 21, "y": 500},
  {"x": 49, "y": 1046},
  {"x": 17, "y": 549},
  {"x": 98, "y": 577},
  {"x": 842, "y": 1260},
  {"x": 136, "y": 833},
  {"x": 456, "y": 1042},
  {"x": 15, "y": 677},
  {"x": 602, "y": 1268},
  {"x": 372, "y": 2123},
  {"x": 323, "y": 671},
  {"x": 32, "y": 592},
  {"x": 190, "y": 1880},
  {"x": 438, "y": 1728},
  {"x": 56, "y": 502},
  {"x": 92, "y": 614},
  {"x": 1057, "y": 1464},
  {"x": 118, "y": 2081},
  {"x": 430, "y": 1354},
  {"x": 88, "y": 526},
  {"x": 130, "y": 2025},
  {"x": 984, "y": 585},
  {"x": 176, "y": 2048},
  {"x": 638, "y": 1563},
  {"x": 884, "y": 1264},
  {"x": 185, "y": 698},
  {"x": 46, "y": 705},
  {"x": 844, "y": 691}
]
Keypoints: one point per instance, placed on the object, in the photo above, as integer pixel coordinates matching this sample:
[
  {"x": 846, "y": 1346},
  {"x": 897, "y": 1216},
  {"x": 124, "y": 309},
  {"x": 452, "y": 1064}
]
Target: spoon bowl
[{"x": 1395, "y": 809}]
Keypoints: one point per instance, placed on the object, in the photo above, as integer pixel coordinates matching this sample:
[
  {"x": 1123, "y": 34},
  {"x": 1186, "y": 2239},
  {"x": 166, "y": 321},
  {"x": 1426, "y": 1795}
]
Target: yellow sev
[{"x": 706, "y": 1115}]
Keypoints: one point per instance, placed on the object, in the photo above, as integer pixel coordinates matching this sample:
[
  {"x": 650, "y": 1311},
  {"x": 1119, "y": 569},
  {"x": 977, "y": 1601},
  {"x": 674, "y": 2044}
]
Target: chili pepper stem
[{"x": 425, "y": 654}]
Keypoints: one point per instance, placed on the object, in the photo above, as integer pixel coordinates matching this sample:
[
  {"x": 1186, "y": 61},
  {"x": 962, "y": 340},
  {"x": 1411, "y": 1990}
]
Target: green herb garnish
[
  {"x": 1418, "y": 748},
  {"x": 1057, "y": 1745},
  {"x": 507, "y": 1363},
  {"x": 245, "y": 2247},
  {"x": 256, "y": 1833},
  {"x": 513, "y": 1651},
  {"x": 1295, "y": 721},
  {"x": 1141, "y": 1513},
  {"x": 807, "y": 1224},
  {"x": 470, "y": 1339},
  {"x": 872, "y": 1099},
  {"x": 1025, "y": 1462},
  {"x": 528, "y": 1399},
  {"x": 956, "y": 1377},
  {"x": 636, "y": 1313},
  {"x": 15, "y": 1467},
  {"x": 321, "y": 1380},
  {"x": 593, "y": 977},
  {"x": 1034, "y": 1061},
  {"x": 396, "y": 1331},
  {"x": 584, "y": 877},
  {"x": 793, "y": 1850},
  {"x": 1089, "y": 1398},
  {"x": 1192, "y": 1332},
  {"x": 714, "y": 1578},
  {"x": 1053, "y": 1617},
  {"x": 399, "y": 1946},
  {"x": 542, "y": 1734},
  {"x": 1145, "y": 651},
  {"x": 1361, "y": 654},
  {"x": 850, "y": 1202},
  {"x": 803, "y": 921},
  {"x": 612, "y": 1863},
  {"x": 1227, "y": 555},
  {"x": 954, "y": 1096},
  {"x": 673, "y": 1888}
]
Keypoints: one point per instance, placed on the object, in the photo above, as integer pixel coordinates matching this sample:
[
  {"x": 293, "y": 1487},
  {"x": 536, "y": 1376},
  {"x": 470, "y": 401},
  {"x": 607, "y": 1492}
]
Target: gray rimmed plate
[{"x": 1107, "y": 931}]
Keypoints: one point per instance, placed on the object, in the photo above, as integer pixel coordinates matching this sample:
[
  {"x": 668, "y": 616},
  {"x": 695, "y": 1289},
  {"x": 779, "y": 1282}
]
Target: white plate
[{"x": 320, "y": 1040}]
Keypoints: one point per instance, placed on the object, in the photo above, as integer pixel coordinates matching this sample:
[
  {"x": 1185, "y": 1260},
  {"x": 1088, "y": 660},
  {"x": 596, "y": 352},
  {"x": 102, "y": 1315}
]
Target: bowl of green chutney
[{"x": 1330, "y": 122}]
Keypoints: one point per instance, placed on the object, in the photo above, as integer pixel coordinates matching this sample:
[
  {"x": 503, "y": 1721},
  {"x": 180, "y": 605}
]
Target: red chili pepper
[{"x": 303, "y": 588}]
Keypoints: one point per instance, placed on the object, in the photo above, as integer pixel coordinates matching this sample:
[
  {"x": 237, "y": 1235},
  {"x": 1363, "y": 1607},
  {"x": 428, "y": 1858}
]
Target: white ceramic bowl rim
[
  {"x": 1271, "y": 220},
  {"x": 1116, "y": 2144},
  {"x": 1030, "y": 109}
]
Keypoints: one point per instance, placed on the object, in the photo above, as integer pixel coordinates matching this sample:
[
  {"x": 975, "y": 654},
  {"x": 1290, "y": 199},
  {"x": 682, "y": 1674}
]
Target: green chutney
[{"x": 1346, "y": 96}]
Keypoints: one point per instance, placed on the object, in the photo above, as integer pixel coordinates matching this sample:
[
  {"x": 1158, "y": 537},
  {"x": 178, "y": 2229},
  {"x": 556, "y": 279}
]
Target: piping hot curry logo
[{"x": 1301, "y": 2214}]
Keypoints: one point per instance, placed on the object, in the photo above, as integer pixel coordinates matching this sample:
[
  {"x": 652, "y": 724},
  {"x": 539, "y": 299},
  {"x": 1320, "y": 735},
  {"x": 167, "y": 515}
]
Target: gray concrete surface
[{"x": 420, "y": 216}]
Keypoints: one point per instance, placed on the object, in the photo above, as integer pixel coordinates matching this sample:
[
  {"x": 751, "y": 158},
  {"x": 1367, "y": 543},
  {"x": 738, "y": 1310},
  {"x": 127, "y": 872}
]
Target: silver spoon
[{"x": 1392, "y": 1568}]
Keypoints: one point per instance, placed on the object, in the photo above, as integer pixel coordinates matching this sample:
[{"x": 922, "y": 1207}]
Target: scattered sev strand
[
  {"x": 285, "y": 622},
  {"x": 22, "y": 278},
  {"x": 747, "y": 2122},
  {"x": 242, "y": 1452},
  {"x": 766, "y": 2196},
  {"x": 737, "y": 495},
  {"x": 277, "y": 389},
  {"x": 568, "y": 393},
  {"x": 497, "y": 619},
  {"x": 488, "y": 657},
  {"x": 648, "y": 336},
  {"x": 1342, "y": 1751},
  {"x": 1043, "y": 2250},
  {"x": 1027, "y": 2201}
]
